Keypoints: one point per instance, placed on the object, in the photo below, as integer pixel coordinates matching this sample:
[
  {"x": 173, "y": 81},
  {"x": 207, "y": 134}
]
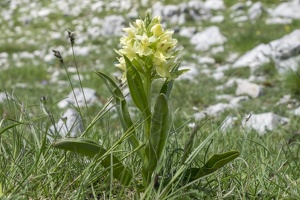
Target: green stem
[{"x": 147, "y": 87}]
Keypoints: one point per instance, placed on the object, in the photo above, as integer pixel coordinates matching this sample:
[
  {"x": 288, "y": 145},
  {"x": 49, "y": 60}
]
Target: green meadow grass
[{"x": 30, "y": 168}]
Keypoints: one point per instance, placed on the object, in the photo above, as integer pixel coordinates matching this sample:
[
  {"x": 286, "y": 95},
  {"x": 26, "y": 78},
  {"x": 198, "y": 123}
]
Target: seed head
[
  {"x": 57, "y": 55},
  {"x": 71, "y": 36}
]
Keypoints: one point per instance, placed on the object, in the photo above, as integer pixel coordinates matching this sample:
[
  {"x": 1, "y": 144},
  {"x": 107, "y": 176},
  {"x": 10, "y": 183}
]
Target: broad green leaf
[
  {"x": 120, "y": 101},
  {"x": 111, "y": 85},
  {"x": 158, "y": 136},
  {"x": 122, "y": 108},
  {"x": 136, "y": 88},
  {"x": 90, "y": 148},
  {"x": 160, "y": 125},
  {"x": 215, "y": 162}
]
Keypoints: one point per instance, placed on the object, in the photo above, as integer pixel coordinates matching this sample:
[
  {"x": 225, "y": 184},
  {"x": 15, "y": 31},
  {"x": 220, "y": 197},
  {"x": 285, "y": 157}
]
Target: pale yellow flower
[
  {"x": 157, "y": 29},
  {"x": 149, "y": 44}
]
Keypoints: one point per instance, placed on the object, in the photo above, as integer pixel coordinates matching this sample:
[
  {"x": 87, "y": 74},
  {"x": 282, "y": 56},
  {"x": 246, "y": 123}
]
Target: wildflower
[{"x": 150, "y": 45}]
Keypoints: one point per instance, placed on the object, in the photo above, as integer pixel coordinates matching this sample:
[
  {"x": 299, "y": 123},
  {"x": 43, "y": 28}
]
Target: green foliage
[
  {"x": 156, "y": 126},
  {"x": 89, "y": 148},
  {"x": 30, "y": 168},
  {"x": 292, "y": 82}
]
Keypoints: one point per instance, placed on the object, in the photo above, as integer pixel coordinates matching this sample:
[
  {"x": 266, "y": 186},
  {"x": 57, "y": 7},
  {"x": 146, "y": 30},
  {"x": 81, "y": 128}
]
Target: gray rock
[
  {"x": 236, "y": 100},
  {"x": 288, "y": 101},
  {"x": 3, "y": 97},
  {"x": 296, "y": 111},
  {"x": 212, "y": 110},
  {"x": 88, "y": 94},
  {"x": 254, "y": 58},
  {"x": 255, "y": 11},
  {"x": 214, "y": 4},
  {"x": 217, "y": 49},
  {"x": 206, "y": 60},
  {"x": 230, "y": 83},
  {"x": 287, "y": 9},
  {"x": 218, "y": 75},
  {"x": 3, "y": 59},
  {"x": 217, "y": 19},
  {"x": 170, "y": 10},
  {"x": 278, "y": 20},
  {"x": 282, "y": 51},
  {"x": 70, "y": 124},
  {"x": 240, "y": 19},
  {"x": 113, "y": 25},
  {"x": 80, "y": 51},
  {"x": 191, "y": 74},
  {"x": 207, "y": 38},
  {"x": 187, "y": 31},
  {"x": 133, "y": 13},
  {"x": 197, "y": 10},
  {"x": 228, "y": 123},
  {"x": 264, "y": 122},
  {"x": 172, "y": 13},
  {"x": 251, "y": 89},
  {"x": 177, "y": 14},
  {"x": 237, "y": 7}
]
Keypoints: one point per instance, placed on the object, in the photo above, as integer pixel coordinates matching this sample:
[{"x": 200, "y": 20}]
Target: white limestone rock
[
  {"x": 214, "y": 4},
  {"x": 189, "y": 75},
  {"x": 288, "y": 9},
  {"x": 228, "y": 123},
  {"x": 255, "y": 57},
  {"x": 237, "y": 7},
  {"x": 212, "y": 110},
  {"x": 251, "y": 89},
  {"x": 230, "y": 83},
  {"x": 278, "y": 20},
  {"x": 284, "y": 52},
  {"x": 207, "y": 38},
  {"x": 206, "y": 60},
  {"x": 69, "y": 125},
  {"x": 217, "y": 19},
  {"x": 187, "y": 31},
  {"x": 88, "y": 95},
  {"x": 113, "y": 25},
  {"x": 218, "y": 75},
  {"x": 296, "y": 111},
  {"x": 255, "y": 11},
  {"x": 264, "y": 122},
  {"x": 3, "y": 97},
  {"x": 236, "y": 100}
]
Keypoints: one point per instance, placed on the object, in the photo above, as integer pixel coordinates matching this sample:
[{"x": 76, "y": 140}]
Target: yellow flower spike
[{"x": 150, "y": 45}]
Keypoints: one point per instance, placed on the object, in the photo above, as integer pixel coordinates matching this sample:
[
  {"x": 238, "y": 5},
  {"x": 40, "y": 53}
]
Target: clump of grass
[{"x": 292, "y": 82}]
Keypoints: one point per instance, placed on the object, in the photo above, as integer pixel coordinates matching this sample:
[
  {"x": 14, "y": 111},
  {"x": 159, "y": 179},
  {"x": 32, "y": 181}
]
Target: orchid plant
[{"x": 148, "y": 52}]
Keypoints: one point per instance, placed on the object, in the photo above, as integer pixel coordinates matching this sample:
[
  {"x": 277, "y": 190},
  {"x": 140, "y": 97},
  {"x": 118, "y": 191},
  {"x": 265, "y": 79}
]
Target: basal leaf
[
  {"x": 214, "y": 163},
  {"x": 90, "y": 148}
]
